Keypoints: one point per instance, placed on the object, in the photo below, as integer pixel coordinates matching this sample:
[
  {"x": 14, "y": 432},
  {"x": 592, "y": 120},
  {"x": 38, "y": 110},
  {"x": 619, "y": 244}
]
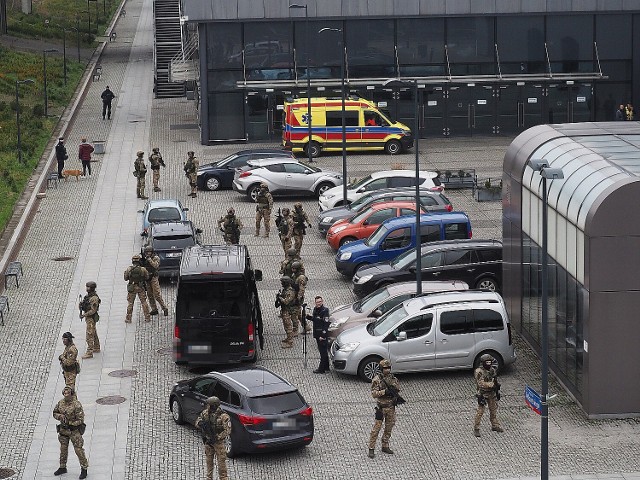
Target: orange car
[{"x": 364, "y": 223}]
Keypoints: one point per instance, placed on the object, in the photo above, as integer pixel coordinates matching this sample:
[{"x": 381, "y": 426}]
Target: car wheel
[
  {"x": 252, "y": 192},
  {"x": 393, "y": 147},
  {"x": 369, "y": 368},
  {"x": 346, "y": 240},
  {"x": 212, "y": 183},
  {"x": 487, "y": 283},
  {"x": 229, "y": 446},
  {"x": 498, "y": 361},
  {"x": 176, "y": 411},
  {"x": 359, "y": 266},
  {"x": 314, "y": 147},
  {"x": 323, "y": 187}
]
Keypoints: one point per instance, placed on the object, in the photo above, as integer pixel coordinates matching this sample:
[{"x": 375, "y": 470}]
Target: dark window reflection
[
  {"x": 470, "y": 39},
  {"x": 324, "y": 47},
  {"x": 224, "y": 45},
  {"x": 268, "y": 45},
  {"x": 421, "y": 41},
  {"x": 520, "y": 39},
  {"x": 370, "y": 42},
  {"x": 569, "y": 40},
  {"x": 225, "y": 80},
  {"x": 611, "y": 30},
  {"x": 226, "y": 116}
]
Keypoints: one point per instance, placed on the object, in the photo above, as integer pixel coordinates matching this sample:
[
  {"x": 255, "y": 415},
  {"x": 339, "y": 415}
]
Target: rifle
[
  {"x": 80, "y": 305},
  {"x": 303, "y": 321},
  {"x": 208, "y": 433},
  {"x": 496, "y": 388},
  {"x": 279, "y": 217},
  {"x": 397, "y": 399},
  {"x": 278, "y": 302}
]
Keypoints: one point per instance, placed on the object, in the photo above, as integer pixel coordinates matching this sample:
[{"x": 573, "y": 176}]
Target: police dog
[{"x": 72, "y": 173}]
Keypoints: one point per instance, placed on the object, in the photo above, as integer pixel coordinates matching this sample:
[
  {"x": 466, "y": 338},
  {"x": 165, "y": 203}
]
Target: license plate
[
  {"x": 284, "y": 424},
  {"x": 199, "y": 348},
  {"x": 174, "y": 255}
]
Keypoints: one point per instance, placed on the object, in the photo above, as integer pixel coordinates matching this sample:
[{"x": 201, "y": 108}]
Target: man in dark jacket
[
  {"x": 61, "y": 155},
  {"x": 320, "y": 318},
  {"x": 107, "y": 96}
]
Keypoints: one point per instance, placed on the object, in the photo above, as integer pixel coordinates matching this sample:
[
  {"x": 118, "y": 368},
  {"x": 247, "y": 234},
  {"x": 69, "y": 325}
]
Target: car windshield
[
  {"x": 360, "y": 182},
  {"x": 376, "y": 236},
  {"x": 164, "y": 214},
  {"x": 388, "y": 320},
  {"x": 359, "y": 202},
  {"x": 225, "y": 160},
  {"x": 276, "y": 404},
  {"x": 403, "y": 260},
  {"x": 311, "y": 167},
  {"x": 371, "y": 301},
  {"x": 173, "y": 242},
  {"x": 359, "y": 217}
]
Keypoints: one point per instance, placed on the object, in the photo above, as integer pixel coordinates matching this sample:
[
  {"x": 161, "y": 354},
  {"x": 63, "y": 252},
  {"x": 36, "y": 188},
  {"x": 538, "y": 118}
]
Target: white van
[{"x": 448, "y": 330}]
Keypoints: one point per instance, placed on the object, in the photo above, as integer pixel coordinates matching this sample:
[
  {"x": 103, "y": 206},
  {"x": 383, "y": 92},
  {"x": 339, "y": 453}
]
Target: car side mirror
[
  {"x": 401, "y": 337},
  {"x": 376, "y": 314},
  {"x": 186, "y": 209},
  {"x": 361, "y": 190},
  {"x": 258, "y": 275},
  {"x": 198, "y": 231}
]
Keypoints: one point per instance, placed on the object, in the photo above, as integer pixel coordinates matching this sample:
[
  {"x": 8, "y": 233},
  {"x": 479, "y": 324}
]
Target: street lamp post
[
  {"x": 44, "y": 63},
  {"x": 306, "y": 41},
  {"x": 542, "y": 166},
  {"x": 18, "y": 83},
  {"x": 344, "y": 123},
  {"x": 64, "y": 47},
  {"x": 393, "y": 82},
  {"x": 77, "y": 29}
]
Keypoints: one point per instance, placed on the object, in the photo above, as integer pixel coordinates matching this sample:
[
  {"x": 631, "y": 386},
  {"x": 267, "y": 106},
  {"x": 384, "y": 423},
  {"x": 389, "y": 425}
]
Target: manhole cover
[
  {"x": 62, "y": 259},
  {"x": 6, "y": 473},
  {"x": 123, "y": 373},
  {"x": 111, "y": 400},
  {"x": 165, "y": 351}
]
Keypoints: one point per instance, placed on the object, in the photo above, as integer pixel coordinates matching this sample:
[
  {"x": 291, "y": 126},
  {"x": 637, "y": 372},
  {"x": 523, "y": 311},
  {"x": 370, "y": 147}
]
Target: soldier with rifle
[
  {"x": 286, "y": 301},
  {"x": 488, "y": 393},
  {"x": 286, "y": 266},
  {"x": 300, "y": 219},
  {"x": 284, "y": 222},
  {"x": 137, "y": 276},
  {"x": 191, "y": 172},
  {"x": 215, "y": 426},
  {"x": 69, "y": 360},
  {"x": 70, "y": 414},
  {"x": 385, "y": 389},
  {"x": 89, "y": 306},
  {"x": 151, "y": 262},
  {"x": 299, "y": 286},
  {"x": 264, "y": 201},
  {"x": 230, "y": 226}
]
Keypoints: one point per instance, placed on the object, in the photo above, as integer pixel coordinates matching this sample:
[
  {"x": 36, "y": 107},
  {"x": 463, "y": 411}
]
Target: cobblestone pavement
[{"x": 94, "y": 222}]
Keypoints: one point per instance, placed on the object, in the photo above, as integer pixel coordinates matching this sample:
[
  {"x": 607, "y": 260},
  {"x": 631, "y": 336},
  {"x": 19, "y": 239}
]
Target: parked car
[
  {"x": 376, "y": 181},
  {"x": 397, "y": 235},
  {"x": 364, "y": 223},
  {"x": 267, "y": 412},
  {"x": 219, "y": 175},
  {"x": 163, "y": 210},
  {"x": 432, "y": 201},
  {"x": 380, "y": 302},
  {"x": 284, "y": 178},
  {"x": 476, "y": 262},
  {"x": 168, "y": 239},
  {"x": 441, "y": 331}
]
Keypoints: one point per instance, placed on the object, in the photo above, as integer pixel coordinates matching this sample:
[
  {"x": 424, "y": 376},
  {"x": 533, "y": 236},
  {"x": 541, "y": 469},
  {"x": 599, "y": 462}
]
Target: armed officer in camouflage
[
  {"x": 300, "y": 224},
  {"x": 152, "y": 265},
  {"x": 137, "y": 276},
  {"x": 383, "y": 387},
  {"x": 70, "y": 414},
  {"x": 191, "y": 172},
  {"x": 230, "y": 226},
  {"x": 215, "y": 426},
  {"x": 156, "y": 161},
  {"x": 299, "y": 287},
  {"x": 286, "y": 266},
  {"x": 286, "y": 301},
  {"x": 488, "y": 393},
  {"x": 89, "y": 311},
  {"x": 285, "y": 229},
  {"x": 69, "y": 360},
  {"x": 264, "y": 206},
  {"x": 140, "y": 171}
]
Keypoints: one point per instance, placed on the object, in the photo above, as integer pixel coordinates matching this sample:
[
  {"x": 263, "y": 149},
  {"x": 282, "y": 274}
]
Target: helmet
[
  {"x": 297, "y": 205},
  {"x": 191, "y": 154},
  {"x": 292, "y": 252},
  {"x": 213, "y": 402},
  {"x": 67, "y": 387},
  {"x": 231, "y": 211},
  {"x": 286, "y": 211},
  {"x": 67, "y": 335},
  {"x": 286, "y": 280},
  {"x": 384, "y": 363},
  {"x": 296, "y": 265},
  {"x": 148, "y": 249},
  {"x": 264, "y": 185},
  {"x": 486, "y": 358},
  {"x": 92, "y": 285},
  {"x": 140, "y": 153},
  {"x": 136, "y": 258},
  {"x": 156, "y": 149}
]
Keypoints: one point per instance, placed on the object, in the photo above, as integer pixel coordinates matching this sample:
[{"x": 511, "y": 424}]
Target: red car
[{"x": 364, "y": 223}]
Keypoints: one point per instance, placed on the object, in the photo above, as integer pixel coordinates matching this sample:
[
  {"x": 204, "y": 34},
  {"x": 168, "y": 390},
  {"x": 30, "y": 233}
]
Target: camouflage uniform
[
  {"x": 69, "y": 413},
  {"x": 300, "y": 285},
  {"x": 221, "y": 428},
  {"x": 264, "y": 206},
  {"x": 191, "y": 172},
  {"x": 287, "y": 300},
  {"x": 69, "y": 360},
  {"x": 140, "y": 170},
  {"x": 299, "y": 219},
  {"x": 155, "y": 159},
  {"x": 486, "y": 376},
  {"x": 385, "y": 404},
  {"x": 90, "y": 305},
  {"x": 230, "y": 226},
  {"x": 286, "y": 266},
  {"x": 152, "y": 265},
  {"x": 285, "y": 229},
  {"x": 136, "y": 276}
]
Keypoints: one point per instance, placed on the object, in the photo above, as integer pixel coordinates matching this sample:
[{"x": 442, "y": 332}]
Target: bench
[
  {"x": 13, "y": 270},
  {"x": 4, "y": 307},
  {"x": 53, "y": 179}
]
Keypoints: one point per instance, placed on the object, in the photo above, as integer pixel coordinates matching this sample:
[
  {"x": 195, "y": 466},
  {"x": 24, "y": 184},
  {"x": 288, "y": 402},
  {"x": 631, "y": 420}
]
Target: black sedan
[
  {"x": 219, "y": 175},
  {"x": 266, "y": 411},
  {"x": 168, "y": 239}
]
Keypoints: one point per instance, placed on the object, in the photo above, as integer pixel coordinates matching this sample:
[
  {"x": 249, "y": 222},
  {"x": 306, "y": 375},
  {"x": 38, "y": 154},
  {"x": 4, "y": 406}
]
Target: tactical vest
[
  {"x": 140, "y": 167},
  {"x": 189, "y": 167},
  {"x": 152, "y": 271},
  {"x": 283, "y": 228},
  {"x": 262, "y": 200},
  {"x": 135, "y": 275},
  {"x": 155, "y": 161}
]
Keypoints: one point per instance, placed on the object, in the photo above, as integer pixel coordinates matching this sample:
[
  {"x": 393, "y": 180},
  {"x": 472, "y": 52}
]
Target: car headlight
[
  {"x": 327, "y": 220},
  {"x": 345, "y": 256},
  {"x": 349, "y": 347},
  {"x": 364, "y": 279},
  {"x": 339, "y": 229},
  {"x": 329, "y": 196},
  {"x": 336, "y": 323}
]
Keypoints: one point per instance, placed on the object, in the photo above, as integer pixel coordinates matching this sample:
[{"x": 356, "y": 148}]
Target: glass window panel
[
  {"x": 268, "y": 44},
  {"x": 457, "y": 257},
  {"x": 224, "y": 45},
  {"x": 470, "y": 39},
  {"x": 370, "y": 42},
  {"x": 610, "y": 32},
  {"x": 561, "y": 241},
  {"x": 571, "y": 249},
  {"x": 526, "y": 210},
  {"x": 324, "y": 47},
  {"x": 420, "y": 40},
  {"x": 429, "y": 233},
  {"x": 416, "y": 327},
  {"x": 552, "y": 218},
  {"x": 580, "y": 257},
  {"x": 270, "y": 74},
  {"x": 456, "y": 322},
  {"x": 223, "y": 80},
  {"x": 487, "y": 320},
  {"x": 569, "y": 40},
  {"x": 521, "y": 39}
]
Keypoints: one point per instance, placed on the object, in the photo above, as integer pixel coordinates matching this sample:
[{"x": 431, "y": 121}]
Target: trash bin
[{"x": 98, "y": 146}]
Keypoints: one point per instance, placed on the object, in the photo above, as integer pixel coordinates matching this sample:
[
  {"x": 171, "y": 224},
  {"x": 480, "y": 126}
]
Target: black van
[{"x": 218, "y": 316}]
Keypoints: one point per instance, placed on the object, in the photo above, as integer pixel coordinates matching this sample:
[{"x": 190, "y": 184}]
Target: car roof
[
  {"x": 407, "y": 287},
  {"x": 163, "y": 202},
  {"x": 403, "y": 173},
  {"x": 256, "y": 381},
  {"x": 394, "y": 203},
  {"x": 274, "y": 151},
  {"x": 261, "y": 162},
  {"x": 171, "y": 227},
  {"x": 213, "y": 259},
  {"x": 421, "y": 303},
  {"x": 401, "y": 191},
  {"x": 408, "y": 219},
  {"x": 452, "y": 244}
]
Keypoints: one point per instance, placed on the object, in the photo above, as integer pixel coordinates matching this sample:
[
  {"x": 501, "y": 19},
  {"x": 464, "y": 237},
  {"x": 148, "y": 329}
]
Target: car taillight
[
  {"x": 449, "y": 208},
  {"x": 244, "y": 174},
  {"x": 470, "y": 233},
  {"x": 250, "y": 332},
  {"x": 176, "y": 332},
  {"x": 250, "y": 420},
  {"x": 307, "y": 412},
  {"x": 439, "y": 188}
]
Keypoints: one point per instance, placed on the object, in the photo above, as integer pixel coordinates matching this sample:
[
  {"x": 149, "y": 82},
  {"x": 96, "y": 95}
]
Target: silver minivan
[{"x": 448, "y": 330}]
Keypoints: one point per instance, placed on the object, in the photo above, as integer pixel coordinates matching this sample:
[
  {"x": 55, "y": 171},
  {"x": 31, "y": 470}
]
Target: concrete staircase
[{"x": 168, "y": 44}]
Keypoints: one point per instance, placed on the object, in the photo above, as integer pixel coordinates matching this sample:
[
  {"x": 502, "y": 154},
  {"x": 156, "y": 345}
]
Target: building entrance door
[
  {"x": 520, "y": 106},
  {"x": 470, "y": 109},
  {"x": 264, "y": 118},
  {"x": 570, "y": 102}
]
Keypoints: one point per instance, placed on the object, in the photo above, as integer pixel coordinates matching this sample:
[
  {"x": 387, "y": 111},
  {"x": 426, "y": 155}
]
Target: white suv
[{"x": 376, "y": 181}]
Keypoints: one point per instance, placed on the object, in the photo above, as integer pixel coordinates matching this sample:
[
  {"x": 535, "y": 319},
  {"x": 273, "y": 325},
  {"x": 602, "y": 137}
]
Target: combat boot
[
  {"x": 83, "y": 473},
  {"x": 476, "y": 432},
  {"x": 60, "y": 471},
  {"x": 257, "y": 234},
  {"x": 87, "y": 355},
  {"x": 266, "y": 235},
  {"x": 286, "y": 344},
  {"x": 143, "y": 197},
  {"x": 153, "y": 312},
  {"x": 156, "y": 189},
  {"x": 165, "y": 311},
  {"x": 372, "y": 453},
  {"x": 387, "y": 450},
  {"x": 498, "y": 429}
]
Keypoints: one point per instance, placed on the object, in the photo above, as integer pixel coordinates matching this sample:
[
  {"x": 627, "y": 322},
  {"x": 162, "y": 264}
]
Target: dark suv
[
  {"x": 475, "y": 262},
  {"x": 267, "y": 412},
  {"x": 168, "y": 239}
]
